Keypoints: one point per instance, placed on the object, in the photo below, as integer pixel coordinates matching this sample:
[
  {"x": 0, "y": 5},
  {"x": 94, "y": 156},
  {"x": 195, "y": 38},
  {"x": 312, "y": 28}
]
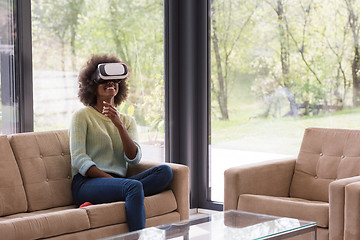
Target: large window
[
  {"x": 9, "y": 103},
  {"x": 66, "y": 33},
  {"x": 278, "y": 67}
]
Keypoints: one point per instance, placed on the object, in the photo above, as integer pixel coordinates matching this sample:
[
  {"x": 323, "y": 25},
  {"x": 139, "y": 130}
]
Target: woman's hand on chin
[{"x": 111, "y": 112}]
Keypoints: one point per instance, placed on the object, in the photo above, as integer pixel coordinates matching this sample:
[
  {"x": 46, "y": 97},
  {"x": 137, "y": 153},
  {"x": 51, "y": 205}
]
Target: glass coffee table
[{"x": 230, "y": 225}]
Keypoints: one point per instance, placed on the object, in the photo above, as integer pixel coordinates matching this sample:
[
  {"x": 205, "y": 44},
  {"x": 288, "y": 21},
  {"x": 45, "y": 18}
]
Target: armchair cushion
[
  {"x": 286, "y": 207},
  {"x": 271, "y": 178},
  {"x": 325, "y": 155}
]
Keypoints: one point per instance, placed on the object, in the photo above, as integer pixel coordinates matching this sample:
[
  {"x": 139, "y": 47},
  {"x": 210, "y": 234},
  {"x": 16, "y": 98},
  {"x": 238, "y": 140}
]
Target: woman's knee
[
  {"x": 135, "y": 187},
  {"x": 167, "y": 172}
]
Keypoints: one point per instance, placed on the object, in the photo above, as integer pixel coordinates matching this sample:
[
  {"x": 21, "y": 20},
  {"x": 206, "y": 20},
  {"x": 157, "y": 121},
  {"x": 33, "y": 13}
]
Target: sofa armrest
[
  {"x": 352, "y": 211},
  {"x": 270, "y": 178},
  {"x": 336, "y": 206},
  {"x": 179, "y": 184}
]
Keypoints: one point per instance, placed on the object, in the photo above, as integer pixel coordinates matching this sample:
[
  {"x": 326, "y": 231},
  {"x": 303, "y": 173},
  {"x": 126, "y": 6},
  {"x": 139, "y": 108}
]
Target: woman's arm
[
  {"x": 79, "y": 158},
  {"x": 94, "y": 172},
  {"x": 129, "y": 146}
]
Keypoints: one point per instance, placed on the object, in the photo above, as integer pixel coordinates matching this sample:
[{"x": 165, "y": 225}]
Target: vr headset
[{"x": 114, "y": 72}]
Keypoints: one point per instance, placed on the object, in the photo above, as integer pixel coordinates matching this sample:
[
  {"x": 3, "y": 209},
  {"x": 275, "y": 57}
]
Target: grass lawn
[
  {"x": 276, "y": 135},
  {"x": 282, "y": 135}
]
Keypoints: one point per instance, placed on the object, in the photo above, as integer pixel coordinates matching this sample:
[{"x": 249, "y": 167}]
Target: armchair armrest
[
  {"x": 179, "y": 184},
  {"x": 271, "y": 178},
  {"x": 352, "y": 211},
  {"x": 337, "y": 205}
]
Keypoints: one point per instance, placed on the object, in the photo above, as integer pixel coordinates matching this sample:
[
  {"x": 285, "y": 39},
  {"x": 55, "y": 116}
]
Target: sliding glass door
[
  {"x": 9, "y": 108},
  {"x": 278, "y": 67}
]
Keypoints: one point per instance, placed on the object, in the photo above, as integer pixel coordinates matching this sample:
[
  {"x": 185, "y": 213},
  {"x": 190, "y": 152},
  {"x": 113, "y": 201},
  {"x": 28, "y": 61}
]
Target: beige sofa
[
  {"x": 311, "y": 187},
  {"x": 36, "y": 200}
]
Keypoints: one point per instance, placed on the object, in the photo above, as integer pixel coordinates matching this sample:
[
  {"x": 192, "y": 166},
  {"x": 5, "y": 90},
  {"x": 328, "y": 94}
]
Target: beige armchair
[
  {"x": 352, "y": 211},
  {"x": 311, "y": 187}
]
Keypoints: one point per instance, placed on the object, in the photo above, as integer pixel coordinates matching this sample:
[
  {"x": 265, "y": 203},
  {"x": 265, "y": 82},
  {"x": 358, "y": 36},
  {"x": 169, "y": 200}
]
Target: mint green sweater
[{"x": 94, "y": 140}]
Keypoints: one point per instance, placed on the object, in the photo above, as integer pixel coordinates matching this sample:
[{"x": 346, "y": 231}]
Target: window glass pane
[
  {"x": 66, "y": 33},
  {"x": 8, "y": 106},
  {"x": 277, "y": 68}
]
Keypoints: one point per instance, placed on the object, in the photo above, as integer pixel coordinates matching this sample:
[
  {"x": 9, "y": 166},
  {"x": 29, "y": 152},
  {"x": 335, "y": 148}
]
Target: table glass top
[{"x": 223, "y": 225}]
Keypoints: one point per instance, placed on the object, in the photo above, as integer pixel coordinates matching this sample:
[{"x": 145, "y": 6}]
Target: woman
[{"x": 103, "y": 143}]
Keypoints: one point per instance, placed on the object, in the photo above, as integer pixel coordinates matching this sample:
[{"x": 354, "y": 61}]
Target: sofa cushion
[
  {"x": 44, "y": 162},
  {"x": 325, "y": 155},
  {"x": 42, "y": 224},
  {"x": 114, "y": 213},
  {"x": 109, "y": 232},
  {"x": 12, "y": 194},
  {"x": 286, "y": 207}
]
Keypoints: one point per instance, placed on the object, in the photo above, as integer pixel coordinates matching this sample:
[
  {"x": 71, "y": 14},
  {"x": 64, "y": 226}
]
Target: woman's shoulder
[{"x": 82, "y": 112}]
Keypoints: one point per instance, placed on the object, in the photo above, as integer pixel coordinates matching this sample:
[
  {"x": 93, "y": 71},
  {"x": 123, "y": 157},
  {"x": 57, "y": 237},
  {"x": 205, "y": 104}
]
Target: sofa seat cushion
[
  {"x": 43, "y": 224},
  {"x": 114, "y": 213},
  {"x": 286, "y": 207}
]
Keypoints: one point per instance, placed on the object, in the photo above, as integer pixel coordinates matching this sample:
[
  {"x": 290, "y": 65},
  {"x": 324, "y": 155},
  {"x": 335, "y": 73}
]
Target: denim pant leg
[
  {"x": 106, "y": 190},
  {"x": 155, "y": 180}
]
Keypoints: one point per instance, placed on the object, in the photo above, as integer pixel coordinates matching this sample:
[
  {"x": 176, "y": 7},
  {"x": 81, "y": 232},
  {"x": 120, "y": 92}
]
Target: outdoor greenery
[
  {"x": 306, "y": 51},
  {"x": 280, "y": 66},
  {"x": 275, "y": 64},
  {"x": 67, "y": 32}
]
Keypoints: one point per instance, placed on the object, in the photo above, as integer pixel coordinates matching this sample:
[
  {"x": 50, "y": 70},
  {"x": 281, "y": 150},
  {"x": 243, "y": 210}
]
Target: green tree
[
  {"x": 285, "y": 82},
  {"x": 301, "y": 45},
  {"x": 354, "y": 23},
  {"x": 137, "y": 31},
  {"x": 59, "y": 19},
  {"x": 336, "y": 32},
  {"x": 229, "y": 20}
]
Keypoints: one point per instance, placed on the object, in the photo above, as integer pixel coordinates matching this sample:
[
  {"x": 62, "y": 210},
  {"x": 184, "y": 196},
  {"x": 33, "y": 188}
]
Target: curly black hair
[{"x": 87, "y": 87}]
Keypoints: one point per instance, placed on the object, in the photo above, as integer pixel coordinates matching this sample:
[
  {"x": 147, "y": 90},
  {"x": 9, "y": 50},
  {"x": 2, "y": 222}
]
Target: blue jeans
[{"x": 132, "y": 190}]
